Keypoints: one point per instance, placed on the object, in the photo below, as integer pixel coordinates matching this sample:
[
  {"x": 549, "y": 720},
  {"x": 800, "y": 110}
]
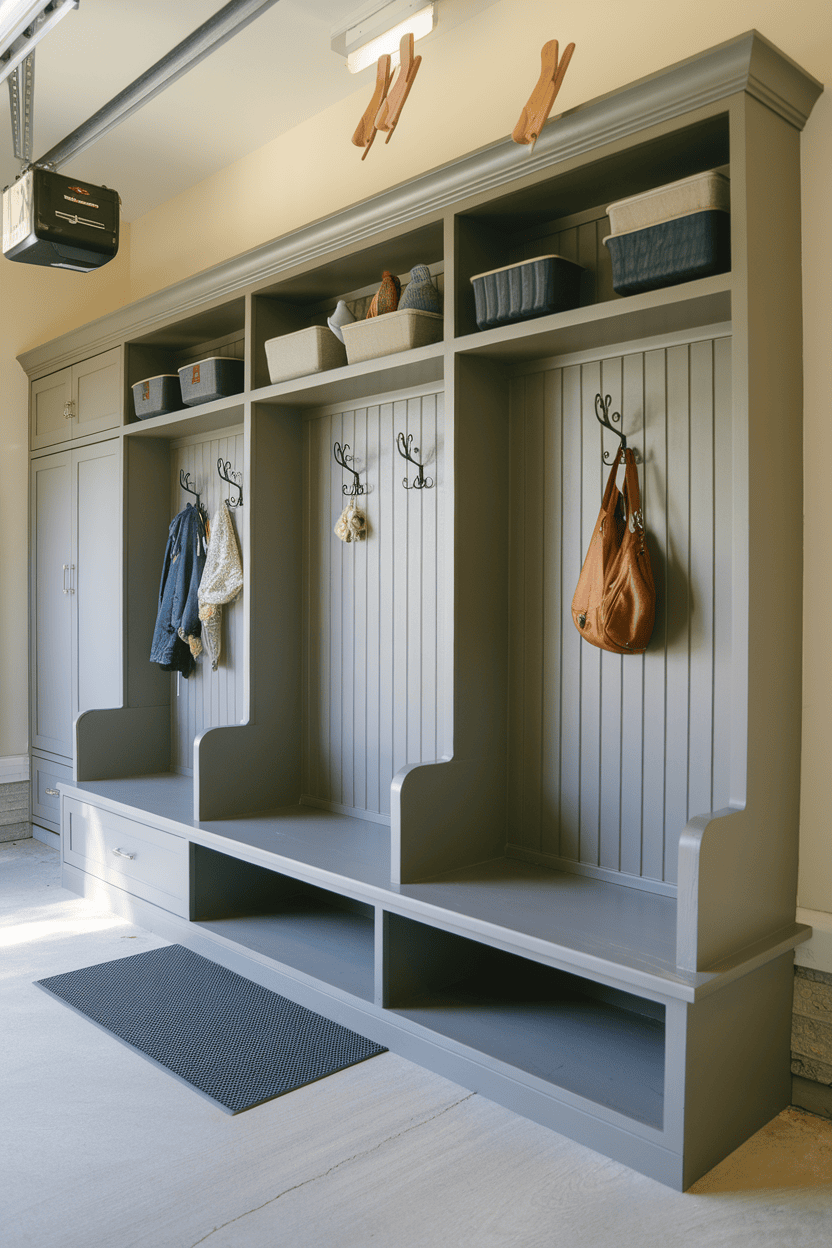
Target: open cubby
[
  {"x": 565, "y": 213},
  {"x": 299, "y": 925},
  {"x": 559, "y": 875},
  {"x": 597, "y": 1042},
  {"x": 216, "y": 331},
  {"x": 307, "y": 298}
]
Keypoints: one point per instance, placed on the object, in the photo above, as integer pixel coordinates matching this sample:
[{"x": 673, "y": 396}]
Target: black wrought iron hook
[
  {"x": 235, "y": 479},
  {"x": 602, "y": 415},
  {"x": 184, "y": 481},
  {"x": 344, "y": 461},
  {"x": 404, "y": 447}
]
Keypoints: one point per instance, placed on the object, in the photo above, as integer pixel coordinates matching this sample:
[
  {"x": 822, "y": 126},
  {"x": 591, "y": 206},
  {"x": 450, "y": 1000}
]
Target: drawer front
[
  {"x": 46, "y": 800},
  {"x": 141, "y": 859}
]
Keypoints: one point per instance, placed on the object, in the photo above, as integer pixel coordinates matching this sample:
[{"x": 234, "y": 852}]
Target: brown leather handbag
[{"x": 615, "y": 602}]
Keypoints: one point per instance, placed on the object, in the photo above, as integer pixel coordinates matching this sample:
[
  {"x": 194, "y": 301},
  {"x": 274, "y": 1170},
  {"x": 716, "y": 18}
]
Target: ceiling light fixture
[
  {"x": 377, "y": 29},
  {"x": 23, "y": 23}
]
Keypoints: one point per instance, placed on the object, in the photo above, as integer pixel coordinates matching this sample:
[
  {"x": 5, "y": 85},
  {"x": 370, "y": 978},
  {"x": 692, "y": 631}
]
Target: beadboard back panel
[
  {"x": 610, "y": 755},
  {"x": 207, "y": 698},
  {"x": 372, "y": 609}
]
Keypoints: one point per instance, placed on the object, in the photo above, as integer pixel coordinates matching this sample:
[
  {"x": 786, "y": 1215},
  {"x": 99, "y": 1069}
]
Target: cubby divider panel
[
  {"x": 594, "y": 1041},
  {"x": 306, "y": 928}
]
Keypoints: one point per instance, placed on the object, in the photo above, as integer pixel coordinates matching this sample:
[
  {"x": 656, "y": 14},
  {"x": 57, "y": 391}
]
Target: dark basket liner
[{"x": 670, "y": 252}]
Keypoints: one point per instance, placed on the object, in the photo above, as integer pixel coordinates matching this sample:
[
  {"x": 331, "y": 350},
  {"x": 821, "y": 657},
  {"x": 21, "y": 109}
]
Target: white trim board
[
  {"x": 14, "y": 767},
  {"x": 816, "y": 953}
]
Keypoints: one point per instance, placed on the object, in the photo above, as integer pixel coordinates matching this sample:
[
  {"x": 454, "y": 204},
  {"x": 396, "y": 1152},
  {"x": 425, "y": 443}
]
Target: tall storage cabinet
[
  {"x": 411, "y": 797},
  {"x": 75, "y": 569}
]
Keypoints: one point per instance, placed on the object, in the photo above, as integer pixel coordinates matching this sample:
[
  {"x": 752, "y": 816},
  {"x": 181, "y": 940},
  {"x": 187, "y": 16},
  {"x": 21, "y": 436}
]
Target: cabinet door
[
  {"x": 51, "y": 409},
  {"x": 97, "y": 616},
  {"x": 96, "y": 393},
  {"x": 51, "y": 603}
]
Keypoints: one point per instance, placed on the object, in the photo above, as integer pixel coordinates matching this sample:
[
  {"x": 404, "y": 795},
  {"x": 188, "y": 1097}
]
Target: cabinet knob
[
  {"x": 53, "y": 793},
  {"x": 122, "y": 853}
]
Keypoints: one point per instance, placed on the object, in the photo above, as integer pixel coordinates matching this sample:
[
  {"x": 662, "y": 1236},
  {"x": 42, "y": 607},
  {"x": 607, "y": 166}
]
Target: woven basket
[
  {"x": 701, "y": 193},
  {"x": 312, "y": 350},
  {"x": 393, "y": 332}
]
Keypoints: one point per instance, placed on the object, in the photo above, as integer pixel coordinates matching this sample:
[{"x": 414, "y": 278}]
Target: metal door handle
[
  {"x": 66, "y": 569},
  {"x": 68, "y": 412},
  {"x": 72, "y": 578},
  {"x": 53, "y": 792},
  {"x": 122, "y": 853}
]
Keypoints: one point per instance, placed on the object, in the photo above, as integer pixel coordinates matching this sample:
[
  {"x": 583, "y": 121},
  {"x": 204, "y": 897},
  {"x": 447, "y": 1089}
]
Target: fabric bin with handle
[
  {"x": 520, "y": 292},
  {"x": 671, "y": 252},
  {"x": 312, "y": 350},
  {"x": 156, "y": 396},
  {"x": 394, "y": 331},
  {"x": 214, "y": 378},
  {"x": 704, "y": 192}
]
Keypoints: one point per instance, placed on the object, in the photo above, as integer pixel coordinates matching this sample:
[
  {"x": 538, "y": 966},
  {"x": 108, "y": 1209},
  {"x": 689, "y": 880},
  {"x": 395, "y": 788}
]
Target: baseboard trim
[
  {"x": 814, "y": 1097},
  {"x": 14, "y": 767}
]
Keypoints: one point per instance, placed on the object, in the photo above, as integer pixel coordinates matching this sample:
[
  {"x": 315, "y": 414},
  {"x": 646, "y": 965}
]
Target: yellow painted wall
[{"x": 471, "y": 87}]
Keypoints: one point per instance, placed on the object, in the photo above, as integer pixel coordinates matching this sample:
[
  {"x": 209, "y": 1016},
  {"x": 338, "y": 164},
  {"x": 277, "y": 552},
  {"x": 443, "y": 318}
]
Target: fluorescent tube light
[
  {"x": 17, "y": 17},
  {"x": 378, "y": 29}
]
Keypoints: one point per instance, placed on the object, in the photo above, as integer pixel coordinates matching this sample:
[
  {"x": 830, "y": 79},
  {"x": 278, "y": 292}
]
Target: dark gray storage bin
[
  {"x": 156, "y": 396},
  {"x": 519, "y": 292},
  {"x": 670, "y": 252},
  {"x": 214, "y": 378}
]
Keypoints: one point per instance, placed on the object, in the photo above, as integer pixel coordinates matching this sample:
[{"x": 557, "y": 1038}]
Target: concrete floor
[{"x": 101, "y": 1149}]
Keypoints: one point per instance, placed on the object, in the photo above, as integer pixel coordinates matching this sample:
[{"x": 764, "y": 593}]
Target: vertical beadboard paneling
[
  {"x": 610, "y": 755},
  {"x": 208, "y": 699},
  {"x": 372, "y": 608}
]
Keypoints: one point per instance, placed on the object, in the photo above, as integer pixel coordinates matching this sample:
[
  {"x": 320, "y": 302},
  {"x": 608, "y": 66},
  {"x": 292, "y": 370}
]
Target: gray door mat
[{"x": 228, "y": 1038}]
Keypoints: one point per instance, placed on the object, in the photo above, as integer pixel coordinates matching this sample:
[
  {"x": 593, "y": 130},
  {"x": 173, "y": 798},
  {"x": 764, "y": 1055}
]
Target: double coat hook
[
  {"x": 420, "y": 481},
  {"x": 344, "y": 460},
  {"x": 233, "y": 478},
  {"x": 602, "y": 415},
  {"x": 185, "y": 482}
]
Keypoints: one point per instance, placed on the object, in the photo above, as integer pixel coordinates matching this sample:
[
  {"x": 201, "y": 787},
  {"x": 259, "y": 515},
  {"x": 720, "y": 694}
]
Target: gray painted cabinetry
[{"x": 410, "y": 796}]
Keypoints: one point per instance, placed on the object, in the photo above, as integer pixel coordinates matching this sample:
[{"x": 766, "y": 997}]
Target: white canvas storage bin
[
  {"x": 390, "y": 333},
  {"x": 700, "y": 193},
  {"x": 312, "y": 350}
]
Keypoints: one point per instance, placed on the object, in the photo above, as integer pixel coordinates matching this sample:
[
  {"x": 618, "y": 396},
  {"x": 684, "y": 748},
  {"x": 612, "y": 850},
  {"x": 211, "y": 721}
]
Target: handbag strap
[
  {"x": 605, "y": 502},
  {"x": 632, "y": 493}
]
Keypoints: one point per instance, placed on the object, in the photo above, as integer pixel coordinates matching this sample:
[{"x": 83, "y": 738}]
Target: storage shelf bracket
[
  {"x": 420, "y": 481},
  {"x": 344, "y": 460}
]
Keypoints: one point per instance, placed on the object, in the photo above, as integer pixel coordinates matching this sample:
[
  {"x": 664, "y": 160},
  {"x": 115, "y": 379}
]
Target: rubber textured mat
[{"x": 232, "y": 1040}]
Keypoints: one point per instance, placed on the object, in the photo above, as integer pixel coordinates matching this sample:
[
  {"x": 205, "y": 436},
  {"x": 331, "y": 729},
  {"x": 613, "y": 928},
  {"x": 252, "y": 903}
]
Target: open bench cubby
[{"x": 561, "y": 877}]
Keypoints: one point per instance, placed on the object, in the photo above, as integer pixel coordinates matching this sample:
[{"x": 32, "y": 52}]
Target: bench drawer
[
  {"x": 46, "y": 800},
  {"x": 143, "y": 860}
]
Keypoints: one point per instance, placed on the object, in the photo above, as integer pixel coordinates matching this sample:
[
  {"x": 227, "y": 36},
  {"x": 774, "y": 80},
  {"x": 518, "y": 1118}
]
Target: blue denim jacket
[{"x": 175, "y": 637}]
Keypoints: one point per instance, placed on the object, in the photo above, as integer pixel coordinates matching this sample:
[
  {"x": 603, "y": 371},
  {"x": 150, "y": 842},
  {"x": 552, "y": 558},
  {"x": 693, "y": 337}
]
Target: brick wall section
[
  {"x": 14, "y": 811},
  {"x": 812, "y": 1041}
]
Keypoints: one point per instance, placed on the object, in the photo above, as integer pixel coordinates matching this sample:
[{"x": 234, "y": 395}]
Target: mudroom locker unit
[{"x": 411, "y": 797}]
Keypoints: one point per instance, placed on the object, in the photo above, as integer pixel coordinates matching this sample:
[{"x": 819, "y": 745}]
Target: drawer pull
[
  {"x": 53, "y": 793},
  {"x": 122, "y": 853}
]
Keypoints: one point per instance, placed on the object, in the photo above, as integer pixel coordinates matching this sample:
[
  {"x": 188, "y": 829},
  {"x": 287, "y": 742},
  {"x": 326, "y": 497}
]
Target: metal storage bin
[
  {"x": 519, "y": 292},
  {"x": 156, "y": 396},
  {"x": 670, "y": 252},
  {"x": 390, "y": 333},
  {"x": 214, "y": 378},
  {"x": 701, "y": 193},
  {"x": 312, "y": 350}
]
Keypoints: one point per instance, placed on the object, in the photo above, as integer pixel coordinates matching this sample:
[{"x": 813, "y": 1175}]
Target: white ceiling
[{"x": 262, "y": 82}]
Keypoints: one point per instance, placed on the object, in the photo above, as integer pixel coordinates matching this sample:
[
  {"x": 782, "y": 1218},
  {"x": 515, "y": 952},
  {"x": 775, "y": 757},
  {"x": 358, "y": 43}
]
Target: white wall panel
[
  {"x": 610, "y": 755},
  {"x": 373, "y": 608}
]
